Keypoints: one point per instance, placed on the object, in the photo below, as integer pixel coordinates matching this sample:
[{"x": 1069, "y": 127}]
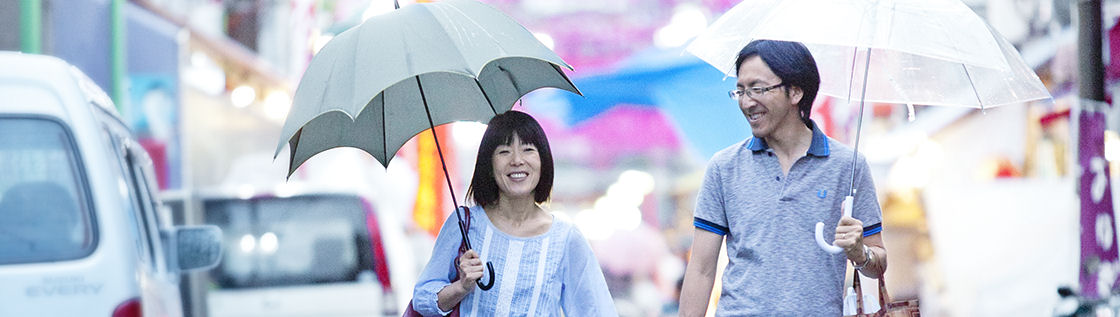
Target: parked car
[
  {"x": 305, "y": 253},
  {"x": 80, "y": 229}
]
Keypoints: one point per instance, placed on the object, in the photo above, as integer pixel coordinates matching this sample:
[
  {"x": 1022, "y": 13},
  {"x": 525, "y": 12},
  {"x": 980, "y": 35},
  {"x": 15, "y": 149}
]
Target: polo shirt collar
[{"x": 818, "y": 147}]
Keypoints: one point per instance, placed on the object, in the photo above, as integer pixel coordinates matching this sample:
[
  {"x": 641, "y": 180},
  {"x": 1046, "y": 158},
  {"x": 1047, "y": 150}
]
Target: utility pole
[{"x": 1099, "y": 267}]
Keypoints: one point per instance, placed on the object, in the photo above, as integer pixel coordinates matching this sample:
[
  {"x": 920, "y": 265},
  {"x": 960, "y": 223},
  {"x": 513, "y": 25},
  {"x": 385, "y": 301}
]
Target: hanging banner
[
  {"x": 1099, "y": 268},
  {"x": 432, "y": 198}
]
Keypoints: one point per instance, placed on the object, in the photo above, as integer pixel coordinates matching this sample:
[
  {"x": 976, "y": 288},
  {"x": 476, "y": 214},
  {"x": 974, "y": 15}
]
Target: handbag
[
  {"x": 409, "y": 311},
  {"x": 888, "y": 308}
]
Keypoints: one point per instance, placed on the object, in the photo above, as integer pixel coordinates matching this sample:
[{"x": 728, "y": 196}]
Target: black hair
[
  {"x": 500, "y": 131},
  {"x": 793, "y": 63}
]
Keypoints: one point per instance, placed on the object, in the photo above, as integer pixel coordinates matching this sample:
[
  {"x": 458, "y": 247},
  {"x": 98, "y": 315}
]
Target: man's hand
[{"x": 849, "y": 235}]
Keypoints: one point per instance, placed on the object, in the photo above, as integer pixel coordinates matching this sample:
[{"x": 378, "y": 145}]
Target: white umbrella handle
[{"x": 847, "y": 207}]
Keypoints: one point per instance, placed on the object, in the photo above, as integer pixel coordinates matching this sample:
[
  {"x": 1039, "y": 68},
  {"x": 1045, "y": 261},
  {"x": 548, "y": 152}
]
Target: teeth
[
  {"x": 519, "y": 175},
  {"x": 755, "y": 116}
]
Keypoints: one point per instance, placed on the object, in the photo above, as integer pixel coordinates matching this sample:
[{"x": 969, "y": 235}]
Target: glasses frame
[{"x": 752, "y": 92}]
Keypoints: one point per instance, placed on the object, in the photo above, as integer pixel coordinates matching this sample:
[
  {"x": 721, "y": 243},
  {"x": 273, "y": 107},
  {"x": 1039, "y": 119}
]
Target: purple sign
[{"x": 1098, "y": 240}]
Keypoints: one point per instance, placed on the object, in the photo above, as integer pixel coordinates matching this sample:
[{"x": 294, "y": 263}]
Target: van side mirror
[{"x": 195, "y": 248}]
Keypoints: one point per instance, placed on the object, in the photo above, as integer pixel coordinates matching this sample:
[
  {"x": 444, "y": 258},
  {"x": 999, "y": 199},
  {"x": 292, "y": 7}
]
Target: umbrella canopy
[
  {"x": 929, "y": 52},
  {"x": 375, "y": 86},
  {"x": 926, "y": 52}
]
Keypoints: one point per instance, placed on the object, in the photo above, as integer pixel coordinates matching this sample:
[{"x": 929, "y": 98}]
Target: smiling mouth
[
  {"x": 755, "y": 116},
  {"x": 518, "y": 175}
]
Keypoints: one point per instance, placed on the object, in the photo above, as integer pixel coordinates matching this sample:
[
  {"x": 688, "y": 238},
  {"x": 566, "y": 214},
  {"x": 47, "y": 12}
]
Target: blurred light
[
  {"x": 627, "y": 219},
  {"x": 593, "y": 225},
  {"x": 285, "y": 190},
  {"x": 277, "y": 104},
  {"x": 318, "y": 40},
  {"x": 687, "y": 22},
  {"x": 204, "y": 74},
  {"x": 376, "y": 8},
  {"x": 545, "y": 39},
  {"x": 1111, "y": 146},
  {"x": 245, "y": 192},
  {"x": 248, "y": 243},
  {"x": 468, "y": 134},
  {"x": 641, "y": 181},
  {"x": 917, "y": 169},
  {"x": 242, "y": 96},
  {"x": 888, "y": 147},
  {"x": 269, "y": 243}
]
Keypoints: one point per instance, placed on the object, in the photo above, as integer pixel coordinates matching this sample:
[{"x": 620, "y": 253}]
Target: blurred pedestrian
[
  {"x": 765, "y": 194},
  {"x": 542, "y": 264}
]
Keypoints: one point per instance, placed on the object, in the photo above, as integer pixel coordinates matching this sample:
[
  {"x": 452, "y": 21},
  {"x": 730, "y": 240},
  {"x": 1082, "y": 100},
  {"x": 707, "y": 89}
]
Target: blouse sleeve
[
  {"x": 584, "y": 292},
  {"x": 438, "y": 272}
]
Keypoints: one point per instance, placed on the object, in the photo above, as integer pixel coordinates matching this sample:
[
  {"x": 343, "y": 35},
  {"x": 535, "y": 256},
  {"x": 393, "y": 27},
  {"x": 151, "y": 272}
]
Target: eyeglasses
[{"x": 752, "y": 92}]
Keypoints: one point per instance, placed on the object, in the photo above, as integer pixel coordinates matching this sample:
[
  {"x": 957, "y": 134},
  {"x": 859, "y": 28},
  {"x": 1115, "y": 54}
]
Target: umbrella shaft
[
  {"x": 859, "y": 124},
  {"x": 443, "y": 163}
]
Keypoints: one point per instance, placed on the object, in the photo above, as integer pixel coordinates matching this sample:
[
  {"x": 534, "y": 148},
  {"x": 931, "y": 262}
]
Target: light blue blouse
[{"x": 536, "y": 276}]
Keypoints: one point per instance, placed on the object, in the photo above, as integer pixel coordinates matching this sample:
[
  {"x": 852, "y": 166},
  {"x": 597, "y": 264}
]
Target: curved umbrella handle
[
  {"x": 489, "y": 284},
  {"x": 847, "y": 207}
]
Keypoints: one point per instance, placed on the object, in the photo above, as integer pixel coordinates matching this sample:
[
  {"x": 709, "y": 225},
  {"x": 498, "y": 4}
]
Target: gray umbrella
[{"x": 377, "y": 85}]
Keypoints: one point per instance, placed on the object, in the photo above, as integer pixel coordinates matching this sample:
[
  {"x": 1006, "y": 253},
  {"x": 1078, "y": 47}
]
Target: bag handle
[{"x": 883, "y": 296}]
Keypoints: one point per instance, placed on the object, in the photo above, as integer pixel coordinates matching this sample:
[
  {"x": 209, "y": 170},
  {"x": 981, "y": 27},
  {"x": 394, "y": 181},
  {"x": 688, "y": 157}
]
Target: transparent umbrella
[{"x": 926, "y": 52}]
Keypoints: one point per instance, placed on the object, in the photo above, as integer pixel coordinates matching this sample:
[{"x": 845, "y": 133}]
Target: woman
[{"x": 542, "y": 265}]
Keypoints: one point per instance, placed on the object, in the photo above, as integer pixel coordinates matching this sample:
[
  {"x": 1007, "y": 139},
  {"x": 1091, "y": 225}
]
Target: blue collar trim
[{"x": 818, "y": 147}]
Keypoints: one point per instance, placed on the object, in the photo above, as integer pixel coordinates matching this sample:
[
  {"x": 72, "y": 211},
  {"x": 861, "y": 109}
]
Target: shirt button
[{"x": 777, "y": 178}]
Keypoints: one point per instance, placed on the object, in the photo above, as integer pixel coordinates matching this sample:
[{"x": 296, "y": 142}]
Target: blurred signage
[{"x": 1099, "y": 267}]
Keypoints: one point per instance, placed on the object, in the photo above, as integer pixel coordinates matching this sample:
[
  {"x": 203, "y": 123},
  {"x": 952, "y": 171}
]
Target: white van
[
  {"x": 80, "y": 229},
  {"x": 300, "y": 253}
]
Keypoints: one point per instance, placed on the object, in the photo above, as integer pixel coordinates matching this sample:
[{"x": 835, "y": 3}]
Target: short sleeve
[
  {"x": 710, "y": 213},
  {"x": 866, "y": 205},
  {"x": 584, "y": 292},
  {"x": 439, "y": 271}
]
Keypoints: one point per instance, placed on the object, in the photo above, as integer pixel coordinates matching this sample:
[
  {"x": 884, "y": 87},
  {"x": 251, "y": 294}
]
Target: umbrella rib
[
  {"x": 512, "y": 81},
  {"x": 385, "y": 131},
  {"x": 485, "y": 95},
  {"x": 973, "y": 85}
]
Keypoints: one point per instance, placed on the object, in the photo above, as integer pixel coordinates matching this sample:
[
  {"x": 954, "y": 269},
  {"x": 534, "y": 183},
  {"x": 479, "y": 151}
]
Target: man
[{"x": 766, "y": 194}]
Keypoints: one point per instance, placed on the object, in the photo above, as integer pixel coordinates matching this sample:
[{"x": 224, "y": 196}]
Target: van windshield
[
  {"x": 44, "y": 215},
  {"x": 290, "y": 241}
]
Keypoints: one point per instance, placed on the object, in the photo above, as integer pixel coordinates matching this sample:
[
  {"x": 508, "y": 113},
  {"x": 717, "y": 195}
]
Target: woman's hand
[{"x": 470, "y": 270}]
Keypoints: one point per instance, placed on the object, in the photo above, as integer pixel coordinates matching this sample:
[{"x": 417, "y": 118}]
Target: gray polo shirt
[{"x": 776, "y": 267}]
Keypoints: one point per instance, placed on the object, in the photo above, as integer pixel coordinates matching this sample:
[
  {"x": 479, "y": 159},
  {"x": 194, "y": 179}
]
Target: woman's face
[{"x": 517, "y": 168}]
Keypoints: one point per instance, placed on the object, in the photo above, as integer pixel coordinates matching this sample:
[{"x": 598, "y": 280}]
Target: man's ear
[{"x": 795, "y": 94}]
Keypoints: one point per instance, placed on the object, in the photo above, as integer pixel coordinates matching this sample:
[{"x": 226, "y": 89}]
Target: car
[
  {"x": 81, "y": 229},
  {"x": 298, "y": 252}
]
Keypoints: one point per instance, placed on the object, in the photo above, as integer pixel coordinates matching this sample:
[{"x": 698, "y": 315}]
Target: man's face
[{"x": 766, "y": 111}]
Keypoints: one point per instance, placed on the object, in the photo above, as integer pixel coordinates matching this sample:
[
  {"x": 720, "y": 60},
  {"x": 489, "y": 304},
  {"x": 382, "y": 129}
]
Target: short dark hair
[
  {"x": 500, "y": 131},
  {"x": 793, "y": 63}
]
